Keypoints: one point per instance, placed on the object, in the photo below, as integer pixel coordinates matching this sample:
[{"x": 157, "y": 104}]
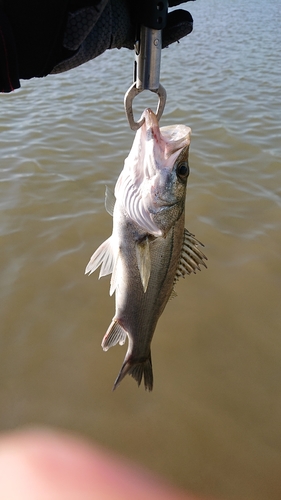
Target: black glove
[
  {"x": 9, "y": 75},
  {"x": 91, "y": 30}
]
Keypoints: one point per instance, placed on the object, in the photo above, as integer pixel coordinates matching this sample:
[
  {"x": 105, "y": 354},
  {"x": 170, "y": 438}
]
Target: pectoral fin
[
  {"x": 191, "y": 256},
  {"x": 144, "y": 261},
  {"x": 109, "y": 200}
]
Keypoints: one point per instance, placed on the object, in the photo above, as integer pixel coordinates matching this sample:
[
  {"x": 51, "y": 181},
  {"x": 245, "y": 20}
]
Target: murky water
[{"x": 212, "y": 423}]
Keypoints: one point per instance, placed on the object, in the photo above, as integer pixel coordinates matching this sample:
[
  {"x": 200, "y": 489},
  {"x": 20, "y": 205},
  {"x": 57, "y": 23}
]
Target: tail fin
[{"x": 137, "y": 369}]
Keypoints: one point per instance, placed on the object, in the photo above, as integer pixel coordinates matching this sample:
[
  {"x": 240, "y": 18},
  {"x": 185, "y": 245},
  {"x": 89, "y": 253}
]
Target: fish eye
[{"x": 183, "y": 170}]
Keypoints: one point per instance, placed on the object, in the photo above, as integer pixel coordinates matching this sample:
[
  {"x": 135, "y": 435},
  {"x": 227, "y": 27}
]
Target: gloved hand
[{"x": 91, "y": 30}]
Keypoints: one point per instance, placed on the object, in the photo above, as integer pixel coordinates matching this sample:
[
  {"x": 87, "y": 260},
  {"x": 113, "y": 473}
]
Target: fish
[{"x": 149, "y": 248}]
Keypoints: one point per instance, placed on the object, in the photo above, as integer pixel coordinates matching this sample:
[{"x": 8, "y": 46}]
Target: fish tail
[{"x": 137, "y": 369}]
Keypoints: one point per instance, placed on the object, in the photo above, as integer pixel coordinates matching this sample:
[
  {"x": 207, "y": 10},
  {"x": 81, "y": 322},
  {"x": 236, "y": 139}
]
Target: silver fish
[{"x": 149, "y": 248}]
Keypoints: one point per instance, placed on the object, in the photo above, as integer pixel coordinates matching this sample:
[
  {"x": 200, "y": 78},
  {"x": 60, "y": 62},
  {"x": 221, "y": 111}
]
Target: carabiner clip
[
  {"x": 148, "y": 48},
  {"x": 128, "y": 103}
]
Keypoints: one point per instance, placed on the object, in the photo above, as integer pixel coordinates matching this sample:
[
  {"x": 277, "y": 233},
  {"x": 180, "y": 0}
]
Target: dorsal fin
[
  {"x": 191, "y": 257},
  {"x": 109, "y": 200}
]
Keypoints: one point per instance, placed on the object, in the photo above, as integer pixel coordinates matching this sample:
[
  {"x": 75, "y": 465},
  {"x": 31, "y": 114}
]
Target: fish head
[
  {"x": 168, "y": 190},
  {"x": 153, "y": 182}
]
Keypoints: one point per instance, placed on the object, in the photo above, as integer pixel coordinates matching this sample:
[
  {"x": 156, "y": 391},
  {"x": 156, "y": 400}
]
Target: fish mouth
[
  {"x": 168, "y": 141},
  {"x": 150, "y": 118},
  {"x": 151, "y": 125}
]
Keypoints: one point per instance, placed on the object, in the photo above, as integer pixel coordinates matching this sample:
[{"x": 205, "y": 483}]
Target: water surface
[{"x": 212, "y": 423}]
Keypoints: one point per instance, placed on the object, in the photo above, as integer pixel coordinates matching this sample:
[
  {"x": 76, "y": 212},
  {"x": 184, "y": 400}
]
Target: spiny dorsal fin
[
  {"x": 109, "y": 200},
  {"x": 115, "y": 335},
  {"x": 173, "y": 294},
  {"x": 191, "y": 256},
  {"x": 144, "y": 261}
]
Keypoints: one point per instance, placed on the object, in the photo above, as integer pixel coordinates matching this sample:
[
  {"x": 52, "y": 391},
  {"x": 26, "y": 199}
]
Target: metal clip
[
  {"x": 128, "y": 103},
  {"x": 147, "y": 73}
]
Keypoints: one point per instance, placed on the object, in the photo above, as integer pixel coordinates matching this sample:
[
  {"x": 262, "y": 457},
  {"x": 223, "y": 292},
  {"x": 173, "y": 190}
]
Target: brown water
[{"x": 212, "y": 423}]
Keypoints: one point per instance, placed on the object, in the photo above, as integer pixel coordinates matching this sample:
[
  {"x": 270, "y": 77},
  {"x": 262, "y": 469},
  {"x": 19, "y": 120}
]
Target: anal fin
[{"x": 115, "y": 334}]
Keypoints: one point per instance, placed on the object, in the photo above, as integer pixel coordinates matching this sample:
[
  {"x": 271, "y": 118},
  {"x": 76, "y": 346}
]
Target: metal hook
[{"x": 131, "y": 93}]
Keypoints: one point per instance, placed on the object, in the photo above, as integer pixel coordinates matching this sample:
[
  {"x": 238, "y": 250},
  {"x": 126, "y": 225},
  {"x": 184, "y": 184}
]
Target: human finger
[{"x": 44, "y": 465}]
